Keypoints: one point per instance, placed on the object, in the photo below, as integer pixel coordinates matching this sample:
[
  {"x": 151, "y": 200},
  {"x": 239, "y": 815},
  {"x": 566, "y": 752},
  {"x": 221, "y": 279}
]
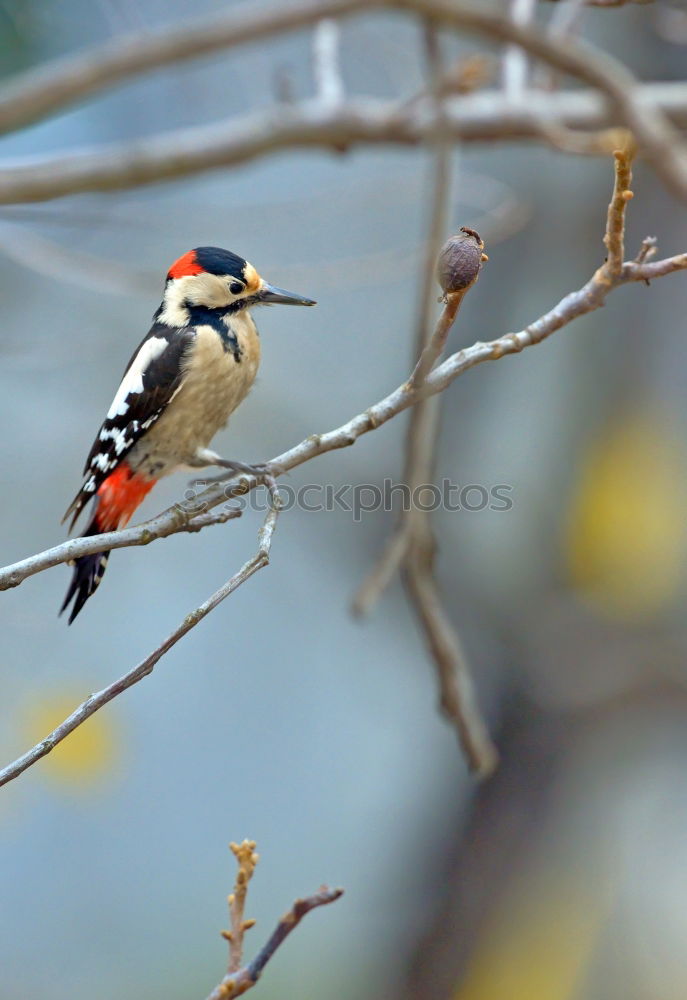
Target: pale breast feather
[{"x": 152, "y": 377}]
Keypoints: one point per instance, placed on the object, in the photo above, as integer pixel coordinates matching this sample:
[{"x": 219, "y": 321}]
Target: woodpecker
[{"x": 189, "y": 373}]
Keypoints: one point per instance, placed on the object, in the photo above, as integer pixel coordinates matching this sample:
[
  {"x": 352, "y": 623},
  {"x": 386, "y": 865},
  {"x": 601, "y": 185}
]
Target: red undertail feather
[
  {"x": 119, "y": 496},
  {"x": 117, "y": 499}
]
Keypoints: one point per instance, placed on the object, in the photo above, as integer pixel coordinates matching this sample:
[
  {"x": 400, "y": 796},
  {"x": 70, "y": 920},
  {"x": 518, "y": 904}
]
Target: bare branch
[
  {"x": 241, "y": 979},
  {"x": 647, "y": 250},
  {"x": 638, "y": 271},
  {"x": 382, "y": 572},
  {"x": 180, "y": 518},
  {"x": 457, "y": 695},
  {"x": 96, "y": 701},
  {"x": 186, "y": 151},
  {"x": 546, "y": 118},
  {"x": 237, "y": 983},
  {"x": 614, "y": 239},
  {"x": 246, "y": 859}
]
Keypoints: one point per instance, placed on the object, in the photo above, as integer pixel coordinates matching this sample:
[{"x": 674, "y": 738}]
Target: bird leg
[{"x": 261, "y": 471}]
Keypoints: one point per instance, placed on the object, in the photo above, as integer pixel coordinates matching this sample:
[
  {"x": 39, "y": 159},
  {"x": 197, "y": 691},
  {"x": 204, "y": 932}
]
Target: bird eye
[{"x": 236, "y": 288}]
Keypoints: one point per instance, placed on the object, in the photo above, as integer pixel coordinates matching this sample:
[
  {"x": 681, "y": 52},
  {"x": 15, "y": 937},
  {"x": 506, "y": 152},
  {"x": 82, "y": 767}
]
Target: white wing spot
[{"x": 133, "y": 380}]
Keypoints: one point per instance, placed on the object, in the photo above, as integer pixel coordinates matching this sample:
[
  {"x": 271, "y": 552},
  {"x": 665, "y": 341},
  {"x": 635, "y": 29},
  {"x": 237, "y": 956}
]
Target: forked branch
[
  {"x": 96, "y": 701},
  {"x": 240, "y": 979}
]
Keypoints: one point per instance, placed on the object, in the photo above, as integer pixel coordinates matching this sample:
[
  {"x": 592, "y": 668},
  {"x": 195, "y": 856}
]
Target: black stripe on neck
[{"x": 220, "y": 322}]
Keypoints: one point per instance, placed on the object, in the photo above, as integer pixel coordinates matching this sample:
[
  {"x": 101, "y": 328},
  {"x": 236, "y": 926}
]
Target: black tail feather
[{"x": 88, "y": 572}]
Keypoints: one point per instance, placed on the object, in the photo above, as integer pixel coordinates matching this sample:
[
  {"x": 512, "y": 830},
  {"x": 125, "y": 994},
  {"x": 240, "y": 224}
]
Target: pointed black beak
[{"x": 269, "y": 294}]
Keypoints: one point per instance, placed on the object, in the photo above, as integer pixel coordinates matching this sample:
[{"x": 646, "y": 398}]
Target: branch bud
[{"x": 460, "y": 260}]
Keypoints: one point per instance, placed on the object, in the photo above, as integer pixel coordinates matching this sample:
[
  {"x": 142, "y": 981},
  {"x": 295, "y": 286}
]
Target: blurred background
[{"x": 280, "y": 718}]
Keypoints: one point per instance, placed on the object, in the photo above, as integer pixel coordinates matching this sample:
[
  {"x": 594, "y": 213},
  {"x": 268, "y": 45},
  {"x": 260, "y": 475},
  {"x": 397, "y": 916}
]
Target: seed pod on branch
[{"x": 459, "y": 261}]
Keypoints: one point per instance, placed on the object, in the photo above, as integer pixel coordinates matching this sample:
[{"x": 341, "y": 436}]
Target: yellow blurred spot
[
  {"x": 539, "y": 946},
  {"x": 86, "y": 755},
  {"x": 625, "y": 536}
]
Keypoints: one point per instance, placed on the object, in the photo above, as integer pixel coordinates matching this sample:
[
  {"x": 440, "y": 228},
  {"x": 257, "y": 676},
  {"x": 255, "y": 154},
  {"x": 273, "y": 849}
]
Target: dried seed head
[{"x": 460, "y": 260}]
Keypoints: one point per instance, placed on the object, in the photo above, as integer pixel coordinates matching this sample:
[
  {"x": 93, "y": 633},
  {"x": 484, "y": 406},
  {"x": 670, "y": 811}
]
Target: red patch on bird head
[{"x": 185, "y": 265}]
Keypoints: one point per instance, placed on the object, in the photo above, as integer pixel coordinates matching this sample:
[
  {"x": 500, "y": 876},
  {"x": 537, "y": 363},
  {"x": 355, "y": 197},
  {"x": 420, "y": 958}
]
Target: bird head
[{"x": 212, "y": 278}]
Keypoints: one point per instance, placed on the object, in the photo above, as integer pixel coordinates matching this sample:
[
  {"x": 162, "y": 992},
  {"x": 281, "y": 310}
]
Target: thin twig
[
  {"x": 238, "y": 983},
  {"x": 381, "y": 574},
  {"x": 180, "y": 518},
  {"x": 434, "y": 347},
  {"x": 101, "y": 698},
  {"x": 246, "y": 860},
  {"x": 457, "y": 695},
  {"x": 647, "y": 249},
  {"x": 614, "y": 238}
]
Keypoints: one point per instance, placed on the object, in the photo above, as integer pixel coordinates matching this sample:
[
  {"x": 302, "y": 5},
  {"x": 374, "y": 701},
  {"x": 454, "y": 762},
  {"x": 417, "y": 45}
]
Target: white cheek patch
[
  {"x": 133, "y": 380},
  {"x": 209, "y": 290}
]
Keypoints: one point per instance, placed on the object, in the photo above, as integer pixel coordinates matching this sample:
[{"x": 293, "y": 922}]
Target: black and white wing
[{"x": 152, "y": 377}]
